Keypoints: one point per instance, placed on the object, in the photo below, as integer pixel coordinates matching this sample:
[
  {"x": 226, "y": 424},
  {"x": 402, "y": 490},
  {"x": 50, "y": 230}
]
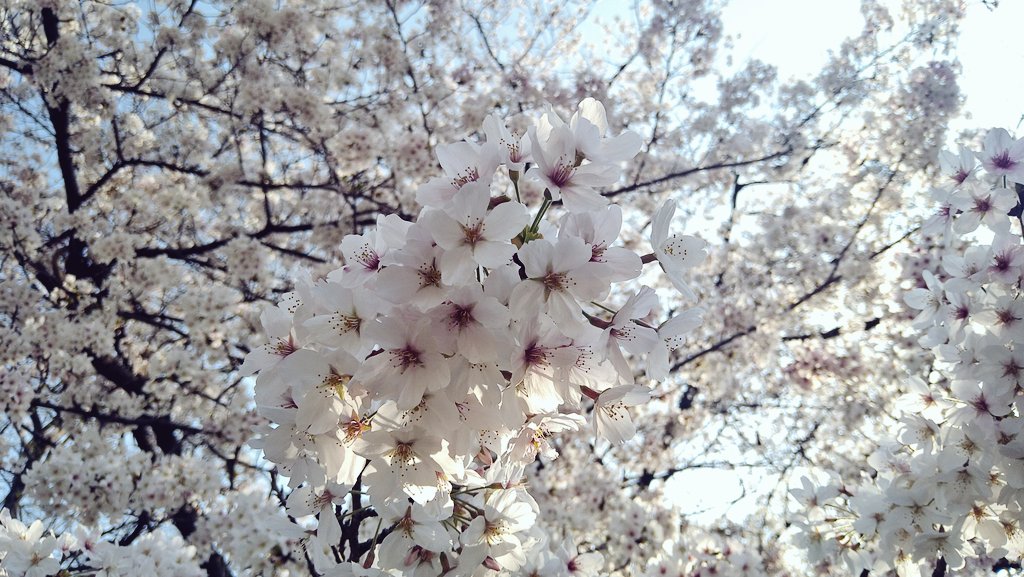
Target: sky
[
  {"x": 992, "y": 61},
  {"x": 795, "y": 36}
]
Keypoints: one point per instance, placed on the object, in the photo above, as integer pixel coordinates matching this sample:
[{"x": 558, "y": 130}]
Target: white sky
[
  {"x": 795, "y": 36},
  {"x": 993, "y": 67}
]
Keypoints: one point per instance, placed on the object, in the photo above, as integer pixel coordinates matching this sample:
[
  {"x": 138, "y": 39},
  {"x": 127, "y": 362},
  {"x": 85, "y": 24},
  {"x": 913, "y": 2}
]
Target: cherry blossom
[
  {"x": 438, "y": 392},
  {"x": 942, "y": 483},
  {"x": 611, "y": 420},
  {"x": 173, "y": 171},
  {"x": 678, "y": 253},
  {"x": 564, "y": 175},
  {"x": 1003, "y": 155}
]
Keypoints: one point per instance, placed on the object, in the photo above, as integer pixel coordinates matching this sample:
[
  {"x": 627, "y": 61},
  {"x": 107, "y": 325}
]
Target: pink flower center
[
  {"x": 1006, "y": 316},
  {"x": 368, "y": 258},
  {"x": 322, "y": 500},
  {"x": 1001, "y": 262},
  {"x": 403, "y": 454},
  {"x": 561, "y": 173},
  {"x": 460, "y": 317},
  {"x": 470, "y": 174},
  {"x": 473, "y": 234},
  {"x": 354, "y": 428},
  {"x": 283, "y": 348},
  {"x": 1003, "y": 161},
  {"x": 980, "y": 404},
  {"x": 406, "y": 358},
  {"x": 515, "y": 155},
  {"x": 345, "y": 323},
  {"x": 430, "y": 276},
  {"x": 555, "y": 281},
  {"x": 1011, "y": 369},
  {"x": 536, "y": 355}
]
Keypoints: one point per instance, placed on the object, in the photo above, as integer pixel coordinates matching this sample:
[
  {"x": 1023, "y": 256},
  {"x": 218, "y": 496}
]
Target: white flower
[
  {"x": 1007, "y": 259},
  {"x": 625, "y": 333},
  {"x": 948, "y": 543},
  {"x": 671, "y": 335},
  {"x": 513, "y": 150},
  {"x": 366, "y": 254},
  {"x": 958, "y": 167},
  {"x": 277, "y": 323},
  {"x": 567, "y": 179},
  {"x": 579, "y": 366},
  {"x": 417, "y": 534},
  {"x": 942, "y": 220},
  {"x": 532, "y": 439},
  {"x": 341, "y": 314},
  {"x": 1005, "y": 318},
  {"x": 676, "y": 254},
  {"x": 463, "y": 163},
  {"x": 558, "y": 277},
  {"x": 590, "y": 124},
  {"x": 318, "y": 497},
  {"x": 410, "y": 363},
  {"x": 1003, "y": 155},
  {"x": 814, "y": 496},
  {"x": 320, "y": 398},
  {"x": 928, "y": 300},
  {"x": 982, "y": 205},
  {"x": 599, "y": 229},
  {"x": 403, "y": 463},
  {"x": 920, "y": 398},
  {"x": 533, "y": 368},
  {"x": 611, "y": 419},
  {"x": 469, "y": 323},
  {"x": 28, "y": 552},
  {"x": 505, "y": 514},
  {"x": 472, "y": 235}
]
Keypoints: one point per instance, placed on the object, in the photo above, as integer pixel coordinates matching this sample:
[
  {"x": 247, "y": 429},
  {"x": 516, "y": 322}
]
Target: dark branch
[
  {"x": 831, "y": 333},
  {"x": 58, "y": 107},
  {"x": 694, "y": 170},
  {"x": 143, "y": 420}
]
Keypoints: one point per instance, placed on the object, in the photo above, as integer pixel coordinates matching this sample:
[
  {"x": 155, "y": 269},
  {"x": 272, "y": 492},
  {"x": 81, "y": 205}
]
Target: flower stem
[
  {"x": 540, "y": 213},
  {"x": 514, "y": 176}
]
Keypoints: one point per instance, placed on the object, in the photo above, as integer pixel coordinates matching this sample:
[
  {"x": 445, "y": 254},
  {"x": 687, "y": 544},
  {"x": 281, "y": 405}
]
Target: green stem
[
  {"x": 540, "y": 213},
  {"x": 514, "y": 175},
  {"x": 373, "y": 545}
]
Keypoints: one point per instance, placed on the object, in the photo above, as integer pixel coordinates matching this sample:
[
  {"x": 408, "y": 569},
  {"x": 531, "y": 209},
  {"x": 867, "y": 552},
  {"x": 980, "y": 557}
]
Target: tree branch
[{"x": 696, "y": 169}]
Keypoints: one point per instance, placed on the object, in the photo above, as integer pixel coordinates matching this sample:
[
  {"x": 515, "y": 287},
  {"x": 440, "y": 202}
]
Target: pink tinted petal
[
  {"x": 458, "y": 265},
  {"x": 493, "y": 254},
  {"x": 579, "y": 198},
  {"x": 445, "y": 231},
  {"x": 536, "y": 257},
  {"x": 569, "y": 253},
  {"x": 506, "y": 221}
]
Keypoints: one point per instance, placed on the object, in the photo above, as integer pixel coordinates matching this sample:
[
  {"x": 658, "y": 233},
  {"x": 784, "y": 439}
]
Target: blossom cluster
[
  {"x": 950, "y": 485},
  {"x": 30, "y": 551},
  {"x": 423, "y": 378},
  {"x": 243, "y": 527}
]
